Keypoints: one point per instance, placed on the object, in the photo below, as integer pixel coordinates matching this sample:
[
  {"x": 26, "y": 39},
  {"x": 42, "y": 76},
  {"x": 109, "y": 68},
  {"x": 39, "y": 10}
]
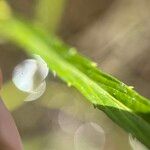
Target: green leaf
[{"x": 119, "y": 101}]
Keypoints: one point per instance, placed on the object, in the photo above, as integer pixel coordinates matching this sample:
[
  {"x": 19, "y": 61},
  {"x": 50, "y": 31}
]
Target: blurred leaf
[
  {"x": 13, "y": 98},
  {"x": 5, "y": 11},
  {"x": 119, "y": 101},
  {"x": 48, "y": 13}
]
